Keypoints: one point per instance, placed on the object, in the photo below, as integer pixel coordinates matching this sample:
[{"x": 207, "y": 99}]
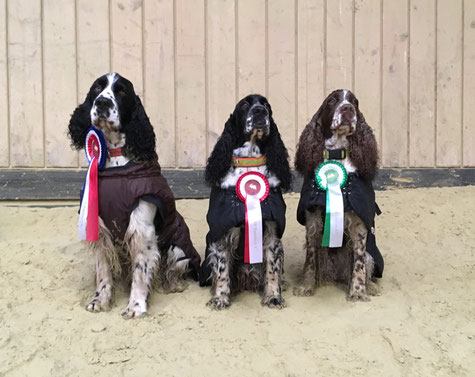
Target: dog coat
[
  {"x": 227, "y": 211},
  {"x": 358, "y": 195},
  {"x": 120, "y": 189}
]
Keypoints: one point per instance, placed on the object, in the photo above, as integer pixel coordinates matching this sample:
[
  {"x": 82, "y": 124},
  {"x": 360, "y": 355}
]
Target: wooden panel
[
  {"x": 449, "y": 83},
  {"x": 93, "y": 52},
  {"x": 4, "y": 137},
  {"x": 469, "y": 85},
  {"x": 126, "y": 40},
  {"x": 310, "y": 42},
  {"x": 159, "y": 75},
  {"x": 59, "y": 61},
  {"x": 395, "y": 100},
  {"x": 251, "y": 47},
  {"x": 25, "y": 78},
  {"x": 221, "y": 68},
  {"x": 190, "y": 83},
  {"x": 422, "y": 84},
  {"x": 368, "y": 62},
  {"x": 282, "y": 88},
  {"x": 339, "y": 35}
]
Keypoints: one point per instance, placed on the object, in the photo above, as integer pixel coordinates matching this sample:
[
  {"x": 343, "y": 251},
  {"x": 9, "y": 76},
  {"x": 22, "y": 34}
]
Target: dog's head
[
  {"x": 112, "y": 106},
  {"x": 253, "y": 117},
  {"x": 339, "y": 113}
]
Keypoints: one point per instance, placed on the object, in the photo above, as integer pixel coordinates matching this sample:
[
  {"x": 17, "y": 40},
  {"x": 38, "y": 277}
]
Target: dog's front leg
[
  {"x": 314, "y": 231},
  {"x": 222, "y": 257},
  {"x": 358, "y": 233},
  {"x": 141, "y": 241},
  {"x": 106, "y": 259},
  {"x": 273, "y": 262}
]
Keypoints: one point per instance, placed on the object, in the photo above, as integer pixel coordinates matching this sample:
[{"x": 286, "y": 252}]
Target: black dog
[{"x": 250, "y": 132}]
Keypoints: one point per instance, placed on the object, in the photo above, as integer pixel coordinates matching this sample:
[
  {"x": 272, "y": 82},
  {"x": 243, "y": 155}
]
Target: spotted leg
[
  {"x": 273, "y": 261},
  {"x": 106, "y": 260},
  {"x": 314, "y": 232},
  {"x": 142, "y": 245},
  {"x": 357, "y": 232}
]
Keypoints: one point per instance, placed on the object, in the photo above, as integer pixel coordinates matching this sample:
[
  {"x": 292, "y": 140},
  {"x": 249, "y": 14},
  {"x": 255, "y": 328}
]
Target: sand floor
[{"x": 421, "y": 324}]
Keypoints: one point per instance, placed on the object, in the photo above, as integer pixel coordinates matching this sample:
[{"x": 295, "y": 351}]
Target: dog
[
  {"x": 250, "y": 132},
  {"x": 139, "y": 225},
  {"x": 339, "y": 131}
]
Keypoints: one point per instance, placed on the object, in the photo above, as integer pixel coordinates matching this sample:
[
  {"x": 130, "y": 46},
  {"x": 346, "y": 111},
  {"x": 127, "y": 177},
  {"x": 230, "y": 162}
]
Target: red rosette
[{"x": 252, "y": 183}]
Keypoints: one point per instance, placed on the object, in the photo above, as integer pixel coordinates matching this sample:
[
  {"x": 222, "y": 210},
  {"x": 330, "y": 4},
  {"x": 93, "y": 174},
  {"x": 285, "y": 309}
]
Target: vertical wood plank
[
  {"x": 25, "y": 79},
  {"x": 221, "y": 72},
  {"x": 281, "y": 31},
  {"x": 311, "y": 42},
  {"x": 339, "y": 35},
  {"x": 469, "y": 85},
  {"x": 368, "y": 62},
  {"x": 159, "y": 75},
  {"x": 190, "y": 83},
  {"x": 4, "y": 137},
  {"x": 251, "y": 47},
  {"x": 422, "y": 84},
  {"x": 59, "y": 69},
  {"x": 93, "y": 50},
  {"x": 126, "y": 41},
  {"x": 449, "y": 83},
  {"x": 394, "y": 76}
]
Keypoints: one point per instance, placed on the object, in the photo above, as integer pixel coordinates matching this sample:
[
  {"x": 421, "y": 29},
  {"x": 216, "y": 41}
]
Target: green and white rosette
[{"x": 331, "y": 176}]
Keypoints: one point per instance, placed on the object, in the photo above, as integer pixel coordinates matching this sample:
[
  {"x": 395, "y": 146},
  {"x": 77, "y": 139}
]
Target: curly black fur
[
  {"x": 363, "y": 150},
  {"x": 134, "y": 122},
  {"x": 234, "y": 137}
]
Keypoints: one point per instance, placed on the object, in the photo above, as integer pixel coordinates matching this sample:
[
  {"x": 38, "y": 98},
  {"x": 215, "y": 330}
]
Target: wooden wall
[{"x": 410, "y": 62}]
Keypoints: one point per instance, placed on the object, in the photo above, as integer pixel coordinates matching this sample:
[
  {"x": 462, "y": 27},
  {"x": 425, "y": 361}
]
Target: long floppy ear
[
  {"x": 79, "y": 124},
  {"x": 220, "y": 159},
  {"x": 277, "y": 157},
  {"x": 139, "y": 135},
  {"x": 311, "y": 145},
  {"x": 363, "y": 149}
]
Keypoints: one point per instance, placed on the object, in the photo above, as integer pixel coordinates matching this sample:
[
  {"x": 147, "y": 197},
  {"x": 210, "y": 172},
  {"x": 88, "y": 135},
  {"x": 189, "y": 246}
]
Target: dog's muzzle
[
  {"x": 258, "y": 122},
  {"x": 345, "y": 121}
]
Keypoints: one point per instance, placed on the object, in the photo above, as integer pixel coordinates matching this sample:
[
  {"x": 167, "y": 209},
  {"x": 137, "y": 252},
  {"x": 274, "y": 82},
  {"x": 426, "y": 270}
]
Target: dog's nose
[
  {"x": 347, "y": 109},
  {"x": 260, "y": 110},
  {"x": 103, "y": 103}
]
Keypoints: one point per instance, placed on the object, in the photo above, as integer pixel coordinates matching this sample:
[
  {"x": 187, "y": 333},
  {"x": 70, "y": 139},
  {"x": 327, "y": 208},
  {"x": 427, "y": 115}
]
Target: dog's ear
[
  {"x": 139, "y": 135},
  {"x": 220, "y": 159},
  {"x": 311, "y": 144},
  {"x": 79, "y": 123},
  {"x": 277, "y": 156},
  {"x": 363, "y": 148}
]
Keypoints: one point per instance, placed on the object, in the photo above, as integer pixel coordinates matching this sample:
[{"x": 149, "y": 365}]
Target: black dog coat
[
  {"x": 358, "y": 196},
  {"x": 227, "y": 211}
]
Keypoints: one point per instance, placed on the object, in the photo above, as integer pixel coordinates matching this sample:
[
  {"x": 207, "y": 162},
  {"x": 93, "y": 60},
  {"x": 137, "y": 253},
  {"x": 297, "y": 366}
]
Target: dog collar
[
  {"x": 115, "y": 152},
  {"x": 249, "y": 162},
  {"x": 335, "y": 154}
]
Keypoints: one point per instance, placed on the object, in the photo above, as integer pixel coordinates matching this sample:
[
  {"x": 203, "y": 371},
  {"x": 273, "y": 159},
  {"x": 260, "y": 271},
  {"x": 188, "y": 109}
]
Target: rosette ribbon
[
  {"x": 252, "y": 188},
  {"x": 96, "y": 153},
  {"x": 331, "y": 176}
]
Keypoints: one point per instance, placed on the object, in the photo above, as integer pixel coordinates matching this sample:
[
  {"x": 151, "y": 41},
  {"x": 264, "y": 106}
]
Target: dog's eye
[
  {"x": 122, "y": 92},
  {"x": 98, "y": 88},
  {"x": 332, "y": 101},
  {"x": 245, "y": 106}
]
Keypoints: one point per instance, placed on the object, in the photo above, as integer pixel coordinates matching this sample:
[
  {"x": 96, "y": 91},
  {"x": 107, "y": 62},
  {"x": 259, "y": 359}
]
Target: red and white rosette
[
  {"x": 252, "y": 188},
  {"x": 96, "y": 153}
]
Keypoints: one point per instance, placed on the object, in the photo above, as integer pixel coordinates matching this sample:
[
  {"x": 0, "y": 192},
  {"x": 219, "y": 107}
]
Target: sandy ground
[{"x": 421, "y": 324}]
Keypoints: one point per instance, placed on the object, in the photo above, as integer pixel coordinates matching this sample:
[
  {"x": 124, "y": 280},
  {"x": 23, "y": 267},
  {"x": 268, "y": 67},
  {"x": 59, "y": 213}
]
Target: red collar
[{"x": 115, "y": 152}]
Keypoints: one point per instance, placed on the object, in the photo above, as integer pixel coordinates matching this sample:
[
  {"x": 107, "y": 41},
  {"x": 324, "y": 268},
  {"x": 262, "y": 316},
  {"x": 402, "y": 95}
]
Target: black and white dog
[
  {"x": 250, "y": 132},
  {"x": 137, "y": 211}
]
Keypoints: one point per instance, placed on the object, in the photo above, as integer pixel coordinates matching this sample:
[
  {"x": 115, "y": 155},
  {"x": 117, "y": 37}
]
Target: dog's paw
[
  {"x": 357, "y": 295},
  {"x": 372, "y": 288},
  {"x": 274, "y": 301},
  {"x": 135, "y": 309},
  {"x": 303, "y": 290},
  {"x": 284, "y": 285},
  {"x": 101, "y": 301},
  {"x": 219, "y": 303}
]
